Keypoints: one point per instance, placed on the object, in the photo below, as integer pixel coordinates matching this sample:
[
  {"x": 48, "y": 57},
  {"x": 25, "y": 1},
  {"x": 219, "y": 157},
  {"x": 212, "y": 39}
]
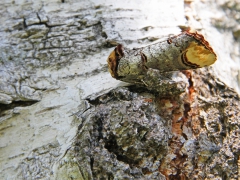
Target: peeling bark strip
[{"x": 188, "y": 50}]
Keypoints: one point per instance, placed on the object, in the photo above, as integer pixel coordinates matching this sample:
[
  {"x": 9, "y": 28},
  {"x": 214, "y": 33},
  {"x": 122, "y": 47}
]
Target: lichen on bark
[
  {"x": 53, "y": 55},
  {"x": 135, "y": 134}
]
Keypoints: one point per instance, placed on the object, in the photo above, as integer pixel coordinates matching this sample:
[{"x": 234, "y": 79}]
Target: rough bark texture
[
  {"x": 62, "y": 115},
  {"x": 133, "y": 134}
]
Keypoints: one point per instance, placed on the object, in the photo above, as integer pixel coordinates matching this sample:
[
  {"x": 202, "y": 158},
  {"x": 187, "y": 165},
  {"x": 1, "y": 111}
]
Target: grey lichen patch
[
  {"x": 33, "y": 40},
  {"x": 38, "y": 163},
  {"x": 37, "y": 31},
  {"x": 29, "y": 48},
  {"x": 122, "y": 136},
  {"x": 219, "y": 119},
  {"x": 136, "y": 133},
  {"x": 40, "y": 34},
  {"x": 70, "y": 170}
]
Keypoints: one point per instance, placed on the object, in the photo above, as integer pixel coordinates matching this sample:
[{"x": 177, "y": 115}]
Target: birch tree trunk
[{"x": 62, "y": 115}]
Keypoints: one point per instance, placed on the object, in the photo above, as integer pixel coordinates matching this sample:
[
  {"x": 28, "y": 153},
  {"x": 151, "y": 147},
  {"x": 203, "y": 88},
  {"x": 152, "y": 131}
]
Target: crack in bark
[{"x": 5, "y": 107}]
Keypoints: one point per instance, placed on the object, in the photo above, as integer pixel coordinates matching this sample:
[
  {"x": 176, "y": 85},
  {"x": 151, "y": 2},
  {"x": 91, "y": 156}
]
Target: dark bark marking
[
  {"x": 91, "y": 163},
  {"x": 112, "y": 146},
  {"x": 4, "y": 107},
  {"x": 24, "y": 23}
]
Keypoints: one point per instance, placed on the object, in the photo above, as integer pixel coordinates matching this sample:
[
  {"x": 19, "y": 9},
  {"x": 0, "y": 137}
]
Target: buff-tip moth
[{"x": 150, "y": 65}]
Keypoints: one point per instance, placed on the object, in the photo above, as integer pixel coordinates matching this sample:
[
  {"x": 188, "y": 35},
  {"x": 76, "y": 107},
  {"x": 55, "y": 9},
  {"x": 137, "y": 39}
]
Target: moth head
[{"x": 113, "y": 60}]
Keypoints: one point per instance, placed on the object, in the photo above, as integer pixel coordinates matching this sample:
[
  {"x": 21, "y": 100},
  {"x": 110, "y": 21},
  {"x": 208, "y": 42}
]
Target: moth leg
[{"x": 162, "y": 83}]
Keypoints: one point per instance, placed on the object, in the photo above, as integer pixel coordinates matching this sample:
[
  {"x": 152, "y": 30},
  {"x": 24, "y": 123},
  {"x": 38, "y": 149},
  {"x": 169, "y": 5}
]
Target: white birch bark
[{"x": 53, "y": 57}]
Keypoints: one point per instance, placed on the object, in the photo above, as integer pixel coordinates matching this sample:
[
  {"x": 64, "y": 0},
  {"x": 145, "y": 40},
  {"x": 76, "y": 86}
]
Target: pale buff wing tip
[{"x": 200, "y": 54}]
